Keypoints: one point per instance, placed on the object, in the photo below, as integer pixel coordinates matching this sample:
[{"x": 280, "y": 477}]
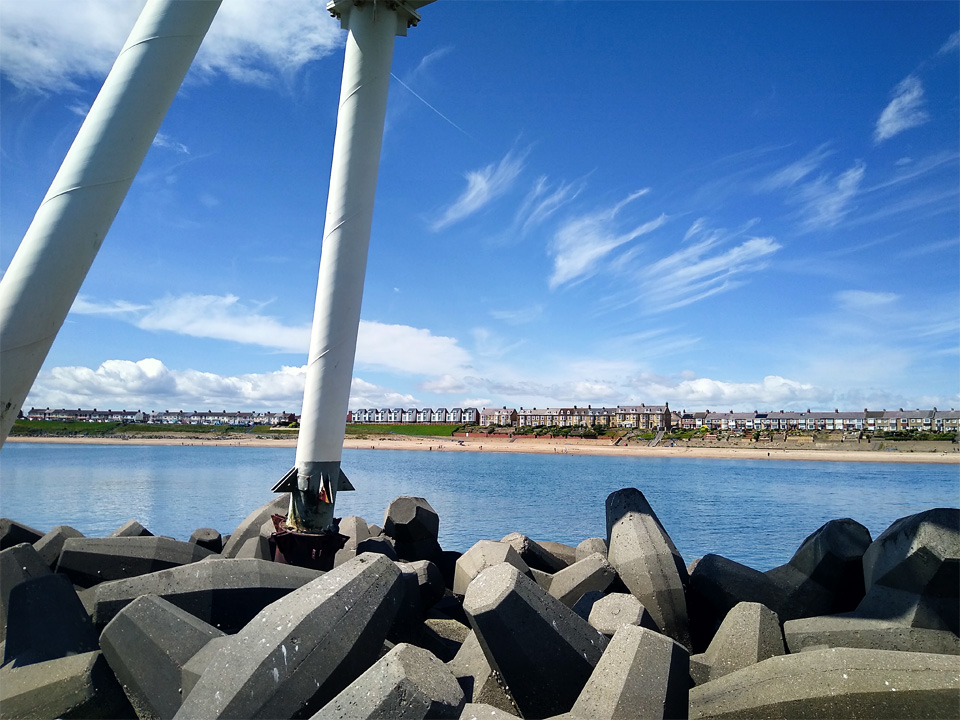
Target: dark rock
[
  {"x": 88, "y": 561},
  {"x": 207, "y": 538},
  {"x": 131, "y": 528},
  {"x": 13, "y": 533},
  {"x": 147, "y": 645},
  {"x": 304, "y": 649},
  {"x": 519, "y": 625},
  {"x": 17, "y": 563}
]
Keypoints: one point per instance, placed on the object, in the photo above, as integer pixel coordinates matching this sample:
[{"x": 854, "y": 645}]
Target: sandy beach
[{"x": 915, "y": 452}]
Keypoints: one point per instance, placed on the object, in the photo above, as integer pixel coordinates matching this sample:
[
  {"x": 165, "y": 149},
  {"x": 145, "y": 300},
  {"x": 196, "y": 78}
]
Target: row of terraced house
[
  {"x": 167, "y": 417},
  {"x": 644, "y": 417},
  {"x": 938, "y": 421}
]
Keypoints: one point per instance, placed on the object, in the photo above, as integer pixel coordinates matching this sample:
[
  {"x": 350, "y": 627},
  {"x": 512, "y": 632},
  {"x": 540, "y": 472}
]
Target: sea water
[{"x": 756, "y": 512}]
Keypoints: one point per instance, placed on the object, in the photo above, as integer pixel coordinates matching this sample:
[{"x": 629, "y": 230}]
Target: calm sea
[{"x": 754, "y": 511}]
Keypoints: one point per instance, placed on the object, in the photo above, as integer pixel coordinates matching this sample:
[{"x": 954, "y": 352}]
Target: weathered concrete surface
[
  {"x": 131, "y": 528},
  {"x": 193, "y": 668},
  {"x": 259, "y": 546},
  {"x": 224, "y": 593},
  {"x": 641, "y": 674},
  {"x": 17, "y": 563},
  {"x": 869, "y": 633},
  {"x": 13, "y": 533},
  {"x": 146, "y": 646},
  {"x": 78, "y": 686},
  {"x": 717, "y": 584},
  {"x": 50, "y": 545},
  {"x": 46, "y": 621},
  {"x": 825, "y": 575},
  {"x": 482, "y": 711},
  {"x": 534, "y": 554},
  {"x": 356, "y": 530},
  {"x": 88, "y": 561},
  {"x": 380, "y": 545},
  {"x": 835, "y": 683},
  {"x": 484, "y": 554},
  {"x": 750, "y": 633},
  {"x": 519, "y": 626},
  {"x": 912, "y": 571},
  {"x": 611, "y": 612},
  {"x": 302, "y": 650},
  {"x": 208, "y": 538},
  {"x": 429, "y": 582},
  {"x": 250, "y": 527},
  {"x": 593, "y": 573},
  {"x": 567, "y": 554},
  {"x": 415, "y": 526},
  {"x": 647, "y": 561},
  {"x": 591, "y": 546},
  {"x": 408, "y": 683},
  {"x": 479, "y": 681}
]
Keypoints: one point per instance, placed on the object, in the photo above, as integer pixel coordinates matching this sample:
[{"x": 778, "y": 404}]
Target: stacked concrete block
[
  {"x": 591, "y": 546},
  {"x": 77, "y": 686},
  {"x": 825, "y": 575},
  {"x": 584, "y": 605},
  {"x": 750, "y": 633},
  {"x": 50, "y": 545},
  {"x": 480, "y": 682},
  {"x": 131, "y": 528},
  {"x": 641, "y": 674},
  {"x": 484, "y": 554},
  {"x": 13, "y": 533},
  {"x": 356, "y": 530},
  {"x": 541, "y": 649},
  {"x": 482, "y": 711},
  {"x": 534, "y": 554},
  {"x": 835, "y": 683},
  {"x": 46, "y": 621},
  {"x": 207, "y": 538},
  {"x": 250, "y": 527},
  {"x": 717, "y": 584},
  {"x": 593, "y": 573},
  {"x": 17, "y": 563},
  {"x": 647, "y": 561},
  {"x": 567, "y": 554},
  {"x": 869, "y": 633},
  {"x": 380, "y": 545},
  {"x": 611, "y": 612},
  {"x": 193, "y": 668},
  {"x": 408, "y": 683},
  {"x": 224, "y": 593},
  {"x": 415, "y": 526},
  {"x": 88, "y": 561},
  {"x": 912, "y": 571},
  {"x": 302, "y": 650},
  {"x": 147, "y": 645}
]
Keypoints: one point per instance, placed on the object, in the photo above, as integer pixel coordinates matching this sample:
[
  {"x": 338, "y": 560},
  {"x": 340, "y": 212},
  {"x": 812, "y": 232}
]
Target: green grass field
[{"x": 416, "y": 430}]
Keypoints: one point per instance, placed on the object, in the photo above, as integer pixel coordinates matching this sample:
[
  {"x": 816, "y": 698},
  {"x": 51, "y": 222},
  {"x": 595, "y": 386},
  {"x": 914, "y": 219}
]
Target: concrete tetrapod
[
  {"x": 542, "y": 649},
  {"x": 533, "y": 553},
  {"x": 17, "y": 563},
  {"x": 479, "y": 682},
  {"x": 593, "y": 573},
  {"x": 835, "y": 683},
  {"x": 642, "y": 674},
  {"x": 250, "y": 527},
  {"x": 415, "y": 526},
  {"x": 871, "y": 633},
  {"x": 147, "y": 644},
  {"x": 647, "y": 561},
  {"x": 88, "y": 561},
  {"x": 302, "y": 650},
  {"x": 482, "y": 711},
  {"x": 50, "y": 545},
  {"x": 484, "y": 554},
  {"x": 611, "y": 612},
  {"x": 13, "y": 533},
  {"x": 749, "y": 633},
  {"x": 408, "y": 683}
]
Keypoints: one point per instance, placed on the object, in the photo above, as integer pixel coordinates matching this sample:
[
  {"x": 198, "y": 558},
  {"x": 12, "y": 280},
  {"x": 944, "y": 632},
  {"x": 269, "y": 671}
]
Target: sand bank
[{"x": 836, "y": 453}]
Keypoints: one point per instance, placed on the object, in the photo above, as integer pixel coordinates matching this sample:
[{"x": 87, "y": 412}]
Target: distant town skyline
[{"x": 715, "y": 205}]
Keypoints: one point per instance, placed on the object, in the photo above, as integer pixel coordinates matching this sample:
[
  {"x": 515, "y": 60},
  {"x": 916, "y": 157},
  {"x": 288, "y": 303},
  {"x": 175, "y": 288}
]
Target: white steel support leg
[
  {"x": 46, "y": 272},
  {"x": 372, "y": 25}
]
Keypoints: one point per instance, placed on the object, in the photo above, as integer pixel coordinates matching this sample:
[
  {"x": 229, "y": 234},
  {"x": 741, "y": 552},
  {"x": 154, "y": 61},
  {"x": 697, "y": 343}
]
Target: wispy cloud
[
  {"x": 165, "y": 141},
  {"x": 827, "y": 200},
  {"x": 519, "y": 315},
  {"x": 581, "y": 243},
  {"x": 905, "y": 111},
  {"x": 796, "y": 171},
  {"x": 483, "y": 186},
  {"x": 865, "y": 300},
  {"x": 952, "y": 44},
  {"x": 543, "y": 201}
]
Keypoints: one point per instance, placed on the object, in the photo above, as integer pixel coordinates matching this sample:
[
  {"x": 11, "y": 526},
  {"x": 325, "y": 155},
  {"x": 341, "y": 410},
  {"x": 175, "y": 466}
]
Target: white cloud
[
  {"x": 859, "y": 300},
  {"x": 366, "y": 395},
  {"x": 483, "y": 186},
  {"x": 826, "y": 201},
  {"x": 165, "y": 141},
  {"x": 407, "y": 349},
  {"x": 952, "y": 43},
  {"x": 795, "y": 172},
  {"x": 904, "y": 111},
  {"x": 582, "y": 242},
  {"x": 55, "y": 44},
  {"x": 518, "y": 315},
  {"x": 543, "y": 201}
]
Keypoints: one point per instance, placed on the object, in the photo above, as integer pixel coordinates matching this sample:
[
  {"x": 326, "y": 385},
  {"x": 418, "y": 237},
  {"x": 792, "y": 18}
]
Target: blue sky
[{"x": 723, "y": 205}]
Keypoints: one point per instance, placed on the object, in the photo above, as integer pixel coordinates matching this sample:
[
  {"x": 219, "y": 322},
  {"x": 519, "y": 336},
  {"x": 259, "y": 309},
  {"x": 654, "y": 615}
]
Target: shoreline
[{"x": 562, "y": 446}]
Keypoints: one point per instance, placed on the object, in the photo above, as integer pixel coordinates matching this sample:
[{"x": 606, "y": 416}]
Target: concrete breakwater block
[
  {"x": 13, "y": 533},
  {"x": 17, "y": 563},
  {"x": 482, "y": 711},
  {"x": 250, "y": 527},
  {"x": 749, "y": 633},
  {"x": 46, "y": 621},
  {"x": 912, "y": 571},
  {"x": 591, "y": 546},
  {"x": 131, "y": 528},
  {"x": 51, "y": 544},
  {"x": 835, "y": 683},
  {"x": 611, "y": 612},
  {"x": 78, "y": 686},
  {"x": 193, "y": 668},
  {"x": 647, "y": 561},
  {"x": 415, "y": 526},
  {"x": 207, "y": 538},
  {"x": 88, "y": 561},
  {"x": 825, "y": 574},
  {"x": 146, "y": 646},
  {"x": 641, "y": 674},
  {"x": 533, "y": 553},
  {"x": 543, "y": 651},
  {"x": 224, "y": 593},
  {"x": 480, "y": 683},
  {"x": 408, "y": 683},
  {"x": 302, "y": 650},
  {"x": 484, "y": 554},
  {"x": 870, "y": 633},
  {"x": 567, "y": 554},
  {"x": 717, "y": 584},
  {"x": 593, "y": 573}
]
